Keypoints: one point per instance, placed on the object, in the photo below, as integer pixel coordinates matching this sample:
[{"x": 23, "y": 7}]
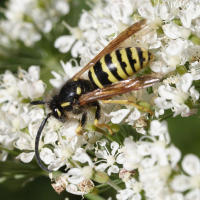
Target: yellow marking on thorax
[
  {"x": 59, "y": 113},
  {"x": 75, "y": 79},
  {"x": 111, "y": 78},
  {"x": 78, "y": 90},
  {"x": 94, "y": 78},
  {"x": 128, "y": 68},
  {"x": 65, "y": 104},
  {"x": 116, "y": 63},
  {"x": 136, "y": 57}
]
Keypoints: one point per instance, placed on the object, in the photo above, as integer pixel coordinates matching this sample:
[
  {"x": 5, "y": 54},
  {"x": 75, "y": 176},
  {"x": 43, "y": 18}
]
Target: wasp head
[{"x": 57, "y": 110}]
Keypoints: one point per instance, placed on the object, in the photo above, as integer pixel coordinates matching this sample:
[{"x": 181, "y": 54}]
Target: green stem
[
  {"x": 166, "y": 117},
  {"x": 91, "y": 153},
  {"x": 120, "y": 138},
  {"x": 73, "y": 163},
  {"x": 106, "y": 184},
  {"x": 104, "y": 190},
  {"x": 106, "y": 134},
  {"x": 112, "y": 184},
  {"x": 92, "y": 197},
  {"x": 9, "y": 151}
]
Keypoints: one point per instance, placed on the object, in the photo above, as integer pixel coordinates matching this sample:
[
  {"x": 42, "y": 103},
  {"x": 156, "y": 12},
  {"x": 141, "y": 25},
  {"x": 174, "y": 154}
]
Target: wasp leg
[
  {"x": 126, "y": 102},
  {"x": 97, "y": 118},
  {"x": 79, "y": 130}
]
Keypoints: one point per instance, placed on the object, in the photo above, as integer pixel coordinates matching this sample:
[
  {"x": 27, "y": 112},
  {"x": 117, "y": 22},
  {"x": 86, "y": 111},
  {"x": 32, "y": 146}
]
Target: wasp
[{"x": 109, "y": 75}]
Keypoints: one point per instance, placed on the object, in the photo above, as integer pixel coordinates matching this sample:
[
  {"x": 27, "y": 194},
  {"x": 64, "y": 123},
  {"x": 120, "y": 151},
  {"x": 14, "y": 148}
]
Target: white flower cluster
[
  {"x": 172, "y": 34},
  {"x": 149, "y": 166},
  {"x": 27, "y": 20},
  {"x": 15, "y": 113}
]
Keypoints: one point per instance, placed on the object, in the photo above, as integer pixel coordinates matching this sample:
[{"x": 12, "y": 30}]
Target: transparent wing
[{"x": 121, "y": 87}]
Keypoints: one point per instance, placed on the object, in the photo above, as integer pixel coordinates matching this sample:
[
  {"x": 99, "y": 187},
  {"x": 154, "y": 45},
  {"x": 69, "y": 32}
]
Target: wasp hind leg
[
  {"x": 97, "y": 118},
  {"x": 79, "y": 130},
  {"x": 126, "y": 102}
]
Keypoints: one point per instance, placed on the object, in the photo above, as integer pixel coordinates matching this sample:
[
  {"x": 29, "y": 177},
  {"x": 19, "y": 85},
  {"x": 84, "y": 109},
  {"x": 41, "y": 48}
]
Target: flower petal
[
  {"x": 26, "y": 157},
  {"x": 191, "y": 165}
]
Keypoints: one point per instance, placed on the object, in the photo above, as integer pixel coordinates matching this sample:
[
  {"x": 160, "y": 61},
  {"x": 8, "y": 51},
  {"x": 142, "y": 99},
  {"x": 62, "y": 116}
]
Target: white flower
[
  {"x": 131, "y": 157},
  {"x": 160, "y": 129},
  {"x": 195, "y": 70},
  {"x": 27, "y": 142},
  {"x": 8, "y": 90},
  {"x": 82, "y": 156},
  {"x": 191, "y": 166},
  {"x": 175, "y": 97},
  {"x": 93, "y": 137},
  {"x": 27, "y": 19},
  {"x": 64, "y": 43},
  {"x": 109, "y": 158},
  {"x": 63, "y": 151},
  {"x": 7, "y": 138},
  {"x": 119, "y": 115},
  {"x": 70, "y": 71},
  {"x": 69, "y": 129},
  {"x": 30, "y": 86},
  {"x": 132, "y": 191},
  {"x": 77, "y": 175},
  {"x": 135, "y": 115}
]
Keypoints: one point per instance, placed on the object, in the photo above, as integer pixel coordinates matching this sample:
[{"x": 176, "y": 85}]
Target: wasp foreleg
[
  {"x": 97, "y": 118},
  {"x": 79, "y": 130}
]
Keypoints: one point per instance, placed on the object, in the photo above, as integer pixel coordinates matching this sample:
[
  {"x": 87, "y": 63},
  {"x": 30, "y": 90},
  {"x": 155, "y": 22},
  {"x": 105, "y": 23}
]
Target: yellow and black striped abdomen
[{"x": 119, "y": 65}]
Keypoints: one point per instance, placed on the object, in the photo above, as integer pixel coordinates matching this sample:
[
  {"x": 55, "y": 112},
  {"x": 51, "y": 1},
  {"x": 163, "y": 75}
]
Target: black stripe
[
  {"x": 132, "y": 61},
  {"x": 91, "y": 79},
  {"x": 149, "y": 56},
  {"x": 101, "y": 75},
  {"x": 98, "y": 112},
  {"x": 83, "y": 119},
  {"x": 111, "y": 66},
  {"x": 140, "y": 55},
  {"x": 122, "y": 64}
]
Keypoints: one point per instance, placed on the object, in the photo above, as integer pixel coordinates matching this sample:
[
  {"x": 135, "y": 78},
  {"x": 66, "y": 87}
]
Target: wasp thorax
[{"x": 67, "y": 99}]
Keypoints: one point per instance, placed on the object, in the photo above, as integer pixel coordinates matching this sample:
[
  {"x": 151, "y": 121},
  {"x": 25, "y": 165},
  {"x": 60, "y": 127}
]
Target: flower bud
[
  {"x": 189, "y": 103},
  {"x": 87, "y": 172},
  {"x": 137, "y": 17},
  {"x": 100, "y": 177},
  {"x": 143, "y": 104},
  {"x": 181, "y": 69},
  {"x": 155, "y": 2},
  {"x": 160, "y": 30},
  {"x": 195, "y": 39},
  {"x": 90, "y": 127},
  {"x": 115, "y": 127},
  {"x": 177, "y": 21},
  {"x": 95, "y": 191}
]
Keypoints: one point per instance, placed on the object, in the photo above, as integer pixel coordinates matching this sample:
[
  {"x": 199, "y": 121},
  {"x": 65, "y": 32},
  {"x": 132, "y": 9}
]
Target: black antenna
[
  {"x": 39, "y": 102},
  {"x": 37, "y": 140}
]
